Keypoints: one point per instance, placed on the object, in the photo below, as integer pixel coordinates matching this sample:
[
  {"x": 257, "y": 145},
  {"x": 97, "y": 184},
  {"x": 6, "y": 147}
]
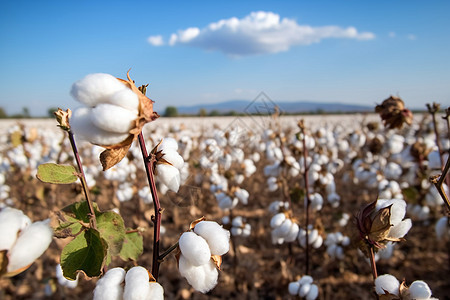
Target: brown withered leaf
[
  {"x": 381, "y": 225},
  {"x": 217, "y": 259},
  {"x": 115, "y": 153}
]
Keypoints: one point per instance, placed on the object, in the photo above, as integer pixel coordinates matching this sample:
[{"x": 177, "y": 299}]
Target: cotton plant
[
  {"x": 388, "y": 287},
  {"x": 238, "y": 226},
  {"x": 22, "y": 241},
  {"x": 201, "y": 249},
  {"x": 284, "y": 228},
  {"x": 310, "y": 236},
  {"x": 118, "y": 284},
  {"x": 304, "y": 288},
  {"x": 336, "y": 243}
]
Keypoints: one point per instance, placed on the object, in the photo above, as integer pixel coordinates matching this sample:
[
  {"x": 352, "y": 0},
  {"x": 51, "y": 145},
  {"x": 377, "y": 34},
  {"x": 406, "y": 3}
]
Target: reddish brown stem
[
  {"x": 92, "y": 219},
  {"x": 373, "y": 264},
  {"x": 308, "y": 201},
  {"x": 149, "y": 163}
]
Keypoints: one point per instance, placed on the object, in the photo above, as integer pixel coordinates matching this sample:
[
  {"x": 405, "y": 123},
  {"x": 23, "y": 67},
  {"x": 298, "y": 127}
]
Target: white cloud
[
  {"x": 392, "y": 34},
  {"x": 156, "y": 40},
  {"x": 259, "y": 33},
  {"x": 411, "y": 37}
]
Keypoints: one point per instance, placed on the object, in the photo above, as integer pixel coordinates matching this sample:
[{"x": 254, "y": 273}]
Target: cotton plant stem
[
  {"x": 167, "y": 252},
  {"x": 92, "y": 218},
  {"x": 438, "y": 180},
  {"x": 149, "y": 162},
  {"x": 308, "y": 201},
  {"x": 433, "y": 109},
  {"x": 373, "y": 264}
]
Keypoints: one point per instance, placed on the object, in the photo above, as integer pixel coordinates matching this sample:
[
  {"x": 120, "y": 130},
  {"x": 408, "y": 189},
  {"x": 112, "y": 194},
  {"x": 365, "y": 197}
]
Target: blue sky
[{"x": 347, "y": 51}]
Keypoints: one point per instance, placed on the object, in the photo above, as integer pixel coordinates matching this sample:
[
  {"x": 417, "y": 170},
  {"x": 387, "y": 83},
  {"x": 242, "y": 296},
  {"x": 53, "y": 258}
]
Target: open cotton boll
[
  {"x": 283, "y": 229},
  {"x": 293, "y": 288},
  {"x": 387, "y": 283},
  {"x": 109, "y": 286},
  {"x": 84, "y": 129},
  {"x": 202, "y": 278},
  {"x": 304, "y": 289},
  {"x": 156, "y": 291},
  {"x": 112, "y": 118},
  {"x": 169, "y": 176},
  {"x": 125, "y": 98},
  {"x": 401, "y": 229},
  {"x": 171, "y": 156},
  {"x": 30, "y": 244},
  {"x": 419, "y": 290},
  {"x": 194, "y": 248},
  {"x": 441, "y": 228},
  {"x": 63, "y": 281},
  {"x": 293, "y": 233},
  {"x": 168, "y": 143},
  {"x": 96, "y": 88},
  {"x": 11, "y": 222},
  {"x": 217, "y": 238},
  {"x": 313, "y": 292},
  {"x": 136, "y": 284},
  {"x": 277, "y": 220}
]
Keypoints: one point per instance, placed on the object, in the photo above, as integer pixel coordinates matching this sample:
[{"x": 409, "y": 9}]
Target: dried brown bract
[{"x": 393, "y": 113}]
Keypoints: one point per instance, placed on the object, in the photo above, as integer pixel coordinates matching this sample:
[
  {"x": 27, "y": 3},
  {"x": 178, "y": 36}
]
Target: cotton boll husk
[
  {"x": 387, "y": 283},
  {"x": 109, "y": 286},
  {"x": 401, "y": 229},
  {"x": 202, "y": 278},
  {"x": 84, "y": 129},
  {"x": 125, "y": 98},
  {"x": 293, "y": 288},
  {"x": 194, "y": 248},
  {"x": 156, "y": 291},
  {"x": 96, "y": 88},
  {"x": 112, "y": 118},
  {"x": 136, "y": 284},
  {"x": 31, "y": 243},
  {"x": 217, "y": 238},
  {"x": 313, "y": 292},
  {"x": 277, "y": 220},
  {"x": 419, "y": 290},
  {"x": 174, "y": 158},
  {"x": 169, "y": 176},
  {"x": 11, "y": 222},
  {"x": 304, "y": 289}
]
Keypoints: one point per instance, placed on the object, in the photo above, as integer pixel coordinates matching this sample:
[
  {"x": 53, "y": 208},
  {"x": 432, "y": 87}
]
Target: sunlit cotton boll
[
  {"x": 145, "y": 195},
  {"x": 11, "y": 222},
  {"x": 314, "y": 238},
  {"x": 202, "y": 278},
  {"x": 30, "y": 244},
  {"x": 194, "y": 248},
  {"x": 335, "y": 243},
  {"x": 137, "y": 286},
  {"x": 419, "y": 290},
  {"x": 316, "y": 201},
  {"x": 304, "y": 288},
  {"x": 283, "y": 229},
  {"x": 215, "y": 235},
  {"x": 442, "y": 229},
  {"x": 387, "y": 283},
  {"x": 168, "y": 169},
  {"x": 399, "y": 227},
  {"x": 109, "y": 287}
]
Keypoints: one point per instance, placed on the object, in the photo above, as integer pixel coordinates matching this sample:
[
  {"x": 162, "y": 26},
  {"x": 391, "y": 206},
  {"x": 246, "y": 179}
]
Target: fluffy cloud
[
  {"x": 156, "y": 40},
  {"x": 258, "y": 33}
]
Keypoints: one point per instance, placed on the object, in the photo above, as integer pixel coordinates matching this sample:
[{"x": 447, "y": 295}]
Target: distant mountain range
[{"x": 264, "y": 105}]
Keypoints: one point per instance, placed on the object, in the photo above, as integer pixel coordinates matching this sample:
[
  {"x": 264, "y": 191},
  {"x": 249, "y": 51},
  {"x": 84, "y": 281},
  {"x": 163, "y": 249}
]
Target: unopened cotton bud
[
  {"x": 387, "y": 283},
  {"x": 109, "y": 287},
  {"x": 31, "y": 243},
  {"x": 11, "y": 222},
  {"x": 202, "y": 278},
  {"x": 112, "y": 118},
  {"x": 194, "y": 248},
  {"x": 217, "y": 238},
  {"x": 419, "y": 290},
  {"x": 136, "y": 284}
]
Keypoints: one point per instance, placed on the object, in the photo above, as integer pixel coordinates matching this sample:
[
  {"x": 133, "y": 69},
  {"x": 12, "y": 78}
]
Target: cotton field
[{"x": 251, "y": 207}]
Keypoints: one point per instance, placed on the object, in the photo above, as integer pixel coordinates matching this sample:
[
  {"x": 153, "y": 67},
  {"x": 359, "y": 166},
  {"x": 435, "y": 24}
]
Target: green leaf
[
  {"x": 54, "y": 173},
  {"x": 112, "y": 229},
  {"x": 85, "y": 253},
  {"x": 133, "y": 246},
  {"x": 79, "y": 211}
]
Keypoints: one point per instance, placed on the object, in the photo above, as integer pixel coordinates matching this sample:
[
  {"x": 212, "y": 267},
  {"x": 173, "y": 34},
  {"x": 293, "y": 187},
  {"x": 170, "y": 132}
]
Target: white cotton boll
[
  {"x": 316, "y": 201},
  {"x": 331, "y": 250},
  {"x": 293, "y": 233},
  {"x": 125, "y": 98},
  {"x": 393, "y": 171},
  {"x": 31, "y": 243},
  {"x": 419, "y": 290},
  {"x": 218, "y": 238},
  {"x": 313, "y": 292},
  {"x": 283, "y": 229},
  {"x": 247, "y": 230},
  {"x": 169, "y": 176},
  {"x": 293, "y": 288},
  {"x": 304, "y": 289},
  {"x": 242, "y": 195},
  {"x": 401, "y": 229},
  {"x": 156, "y": 291},
  {"x": 96, "y": 88},
  {"x": 236, "y": 231},
  {"x": 202, "y": 278},
  {"x": 237, "y": 222},
  {"x": 441, "y": 228},
  {"x": 109, "y": 287},
  {"x": 136, "y": 284},
  {"x": 339, "y": 252},
  {"x": 305, "y": 280},
  {"x": 71, "y": 284},
  {"x": 226, "y": 202},
  {"x": 174, "y": 158},
  {"x": 194, "y": 248},
  {"x": 345, "y": 241},
  {"x": 317, "y": 242},
  {"x": 11, "y": 222},
  {"x": 168, "y": 143},
  {"x": 84, "y": 129},
  {"x": 112, "y": 118},
  {"x": 277, "y": 220},
  {"x": 387, "y": 283}
]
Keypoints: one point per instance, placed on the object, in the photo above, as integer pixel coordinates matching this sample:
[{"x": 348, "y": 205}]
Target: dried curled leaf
[
  {"x": 217, "y": 259},
  {"x": 393, "y": 113}
]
